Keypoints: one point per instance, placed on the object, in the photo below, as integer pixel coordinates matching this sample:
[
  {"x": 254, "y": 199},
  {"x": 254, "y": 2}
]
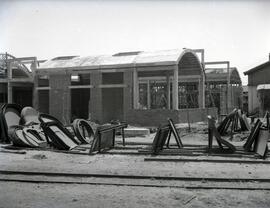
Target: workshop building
[{"x": 259, "y": 88}]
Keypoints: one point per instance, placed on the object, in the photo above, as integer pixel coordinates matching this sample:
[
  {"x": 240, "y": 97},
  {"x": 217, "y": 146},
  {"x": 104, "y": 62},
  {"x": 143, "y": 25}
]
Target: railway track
[
  {"x": 136, "y": 180},
  {"x": 156, "y": 177}
]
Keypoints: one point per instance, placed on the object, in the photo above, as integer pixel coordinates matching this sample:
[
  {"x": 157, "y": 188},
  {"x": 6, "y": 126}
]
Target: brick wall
[
  {"x": 155, "y": 117},
  {"x": 261, "y": 76}
]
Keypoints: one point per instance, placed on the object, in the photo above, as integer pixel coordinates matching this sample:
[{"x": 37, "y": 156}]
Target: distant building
[
  {"x": 259, "y": 88},
  {"x": 223, "y": 88}
]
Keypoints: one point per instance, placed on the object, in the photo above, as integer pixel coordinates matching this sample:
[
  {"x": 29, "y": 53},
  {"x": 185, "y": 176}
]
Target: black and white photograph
[{"x": 134, "y": 103}]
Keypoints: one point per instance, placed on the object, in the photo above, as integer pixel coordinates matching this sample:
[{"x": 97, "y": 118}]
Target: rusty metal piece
[
  {"x": 212, "y": 131},
  {"x": 104, "y": 137}
]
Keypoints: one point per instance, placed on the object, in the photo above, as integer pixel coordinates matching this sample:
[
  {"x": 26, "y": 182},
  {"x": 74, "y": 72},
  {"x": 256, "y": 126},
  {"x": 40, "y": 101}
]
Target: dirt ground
[
  {"x": 14, "y": 195},
  {"x": 128, "y": 192}
]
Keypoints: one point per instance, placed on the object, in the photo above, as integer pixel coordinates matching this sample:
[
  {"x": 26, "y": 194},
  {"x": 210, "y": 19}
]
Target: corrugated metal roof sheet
[
  {"x": 158, "y": 56},
  {"x": 217, "y": 71},
  {"x": 222, "y": 73},
  {"x": 129, "y": 58}
]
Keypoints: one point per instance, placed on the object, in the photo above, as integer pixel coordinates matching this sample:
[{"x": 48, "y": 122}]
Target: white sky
[{"x": 237, "y": 31}]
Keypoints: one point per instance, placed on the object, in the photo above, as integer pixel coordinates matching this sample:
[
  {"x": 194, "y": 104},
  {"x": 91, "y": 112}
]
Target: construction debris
[
  {"x": 9, "y": 116},
  {"x": 214, "y": 132},
  {"x": 83, "y": 131},
  {"x": 236, "y": 120},
  {"x": 25, "y": 127},
  {"x": 164, "y": 134},
  {"x": 253, "y": 135},
  {"x": 259, "y": 137},
  {"x": 105, "y": 137}
]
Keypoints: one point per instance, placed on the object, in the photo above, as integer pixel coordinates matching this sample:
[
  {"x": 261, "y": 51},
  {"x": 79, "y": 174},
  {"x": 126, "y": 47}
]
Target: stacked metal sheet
[{"x": 236, "y": 121}]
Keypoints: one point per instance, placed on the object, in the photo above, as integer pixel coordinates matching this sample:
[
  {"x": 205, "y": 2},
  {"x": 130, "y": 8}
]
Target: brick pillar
[
  {"x": 203, "y": 89},
  {"x": 60, "y": 97},
  {"x": 128, "y": 92},
  {"x": 168, "y": 91},
  {"x": 96, "y": 97},
  {"x": 35, "y": 92},
  {"x": 9, "y": 84},
  {"x": 223, "y": 100},
  {"x": 148, "y": 95},
  {"x": 201, "y": 93},
  {"x": 175, "y": 88},
  {"x": 230, "y": 97},
  {"x": 35, "y": 85},
  {"x": 135, "y": 89}
]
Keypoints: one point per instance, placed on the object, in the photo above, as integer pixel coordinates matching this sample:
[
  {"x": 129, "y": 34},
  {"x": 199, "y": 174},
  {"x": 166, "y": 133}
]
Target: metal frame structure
[
  {"x": 16, "y": 73},
  {"x": 228, "y": 79}
]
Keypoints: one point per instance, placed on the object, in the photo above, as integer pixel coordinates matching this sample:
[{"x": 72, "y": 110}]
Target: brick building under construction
[{"x": 138, "y": 87}]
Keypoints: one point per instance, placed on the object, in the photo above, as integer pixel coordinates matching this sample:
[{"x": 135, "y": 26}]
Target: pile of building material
[
  {"x": 236, "y": 121},
  {"x": 25, "y": 127}
]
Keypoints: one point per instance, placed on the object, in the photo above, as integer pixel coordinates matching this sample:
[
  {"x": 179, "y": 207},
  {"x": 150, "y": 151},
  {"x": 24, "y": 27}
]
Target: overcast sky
[{"x": 237, "y": 31}]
